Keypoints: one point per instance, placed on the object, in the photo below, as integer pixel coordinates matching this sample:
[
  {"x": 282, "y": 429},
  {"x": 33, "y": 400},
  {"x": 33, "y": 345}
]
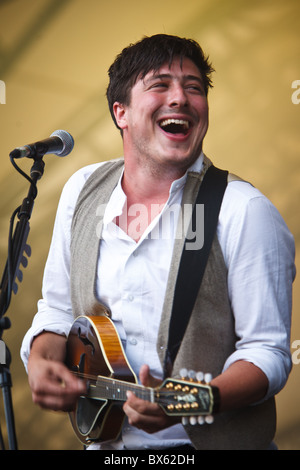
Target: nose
[{"x": 177, "y": 96}]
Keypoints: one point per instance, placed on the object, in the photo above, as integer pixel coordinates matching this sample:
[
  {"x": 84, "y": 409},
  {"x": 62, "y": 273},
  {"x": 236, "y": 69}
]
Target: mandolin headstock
[{"x": 191, "y": 397}]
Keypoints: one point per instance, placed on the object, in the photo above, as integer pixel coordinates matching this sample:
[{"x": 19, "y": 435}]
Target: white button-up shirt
[{"x": 259, "y": 254}]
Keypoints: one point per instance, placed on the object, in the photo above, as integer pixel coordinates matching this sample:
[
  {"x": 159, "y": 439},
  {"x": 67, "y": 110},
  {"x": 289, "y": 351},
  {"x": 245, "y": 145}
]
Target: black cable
[
  {"x": 9, "y": 257},
  {"x": 25, "y": 176}
]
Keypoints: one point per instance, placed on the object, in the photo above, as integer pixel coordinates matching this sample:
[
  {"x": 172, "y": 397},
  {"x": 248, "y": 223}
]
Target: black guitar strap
[{"x": 193, "y": 262}]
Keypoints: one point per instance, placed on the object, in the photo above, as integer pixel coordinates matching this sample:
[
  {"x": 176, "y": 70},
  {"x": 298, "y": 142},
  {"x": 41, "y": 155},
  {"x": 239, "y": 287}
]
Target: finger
[
  {"x": 55, "y": 403},
  {"x": 141, "y": 407},
  {"x": 58, "y": 397},
  {"x": 143, "y": 414},
  {"x": 60, "y": 388},
  {"x": 70, "y": 382},
  {"x": 57, "y": 388},
  {"x": 57, "y": 379}
]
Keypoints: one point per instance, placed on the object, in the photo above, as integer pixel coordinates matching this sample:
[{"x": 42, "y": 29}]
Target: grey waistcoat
[{"x": 209, "y": 338}]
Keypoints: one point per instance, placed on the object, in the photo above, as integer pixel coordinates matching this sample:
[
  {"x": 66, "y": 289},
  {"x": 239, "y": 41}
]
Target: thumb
[{"x": 146, "y": 378}]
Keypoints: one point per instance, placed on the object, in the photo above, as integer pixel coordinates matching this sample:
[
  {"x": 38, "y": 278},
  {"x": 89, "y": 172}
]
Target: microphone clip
[{"x": 37, "y": 169}]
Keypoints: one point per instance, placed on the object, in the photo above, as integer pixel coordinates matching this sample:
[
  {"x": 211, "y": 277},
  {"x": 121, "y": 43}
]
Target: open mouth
[{"x": 175, "y": 126}]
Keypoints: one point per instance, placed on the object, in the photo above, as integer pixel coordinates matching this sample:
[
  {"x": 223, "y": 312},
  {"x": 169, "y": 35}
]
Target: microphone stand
[{"x": 17, "y": 249}]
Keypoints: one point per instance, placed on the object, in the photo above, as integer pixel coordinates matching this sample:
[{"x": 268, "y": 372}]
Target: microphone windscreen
[{"x": 67, "y": 139}]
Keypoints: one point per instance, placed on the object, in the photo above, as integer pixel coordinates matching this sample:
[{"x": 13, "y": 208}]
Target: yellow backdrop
[{"x": 54, "y": 56}]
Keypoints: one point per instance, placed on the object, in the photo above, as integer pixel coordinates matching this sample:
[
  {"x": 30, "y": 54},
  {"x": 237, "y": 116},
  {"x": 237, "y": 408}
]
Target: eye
[
  {"x": 159, "y": 85},
  {"x": 195, "y": 87}
]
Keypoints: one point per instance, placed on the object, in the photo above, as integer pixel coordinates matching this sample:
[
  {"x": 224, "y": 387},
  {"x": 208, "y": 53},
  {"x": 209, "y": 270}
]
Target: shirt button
[
  {"x": 130, "y": 298},
  {"x": 133, "y": 341}
]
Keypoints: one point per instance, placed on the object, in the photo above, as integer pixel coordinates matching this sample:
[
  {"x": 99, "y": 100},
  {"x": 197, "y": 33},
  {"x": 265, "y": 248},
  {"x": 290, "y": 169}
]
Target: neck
[
  {"x": 146, "y": 192},
  {"x": 144, "y": 185}
]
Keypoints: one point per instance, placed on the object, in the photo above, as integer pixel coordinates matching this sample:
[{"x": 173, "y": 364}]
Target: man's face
[{"x": 167, "y": 117}]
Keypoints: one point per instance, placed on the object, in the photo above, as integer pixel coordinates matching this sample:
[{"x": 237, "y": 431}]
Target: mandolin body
[{"x": 95, "y": 349}]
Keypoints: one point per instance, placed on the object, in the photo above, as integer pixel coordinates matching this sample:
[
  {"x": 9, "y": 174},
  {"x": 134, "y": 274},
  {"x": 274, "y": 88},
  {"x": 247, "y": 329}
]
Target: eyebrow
[{"x": 163, "y": 76}]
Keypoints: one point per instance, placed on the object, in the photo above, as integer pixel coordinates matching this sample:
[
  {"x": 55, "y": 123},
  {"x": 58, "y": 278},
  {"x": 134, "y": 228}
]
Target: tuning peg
[
  {"x": 193, "y": 420},
  {"x": 185, "y": 420},
  {"x": 192, "y": 374},
  {"x": 183, "y": 373},
  {"x": 199, "y": 376},
  {"x": 209, "y": 419},
  {"x": 207, "y": 378}
]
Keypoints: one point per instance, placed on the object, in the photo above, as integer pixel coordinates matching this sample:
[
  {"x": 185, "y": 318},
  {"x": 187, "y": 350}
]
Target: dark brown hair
[{"x": 149, "y": 54}]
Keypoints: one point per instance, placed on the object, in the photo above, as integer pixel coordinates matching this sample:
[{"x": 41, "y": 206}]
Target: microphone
[{"x": 60, "y": 143}]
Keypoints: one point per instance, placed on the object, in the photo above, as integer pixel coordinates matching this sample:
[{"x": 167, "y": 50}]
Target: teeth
[{"x": 180, "y": 122}]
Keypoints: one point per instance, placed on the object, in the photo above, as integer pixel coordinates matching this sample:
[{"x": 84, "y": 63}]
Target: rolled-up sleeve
[
  {"x": 46, "y": 319},
  {"x": 259, "y": 252}
]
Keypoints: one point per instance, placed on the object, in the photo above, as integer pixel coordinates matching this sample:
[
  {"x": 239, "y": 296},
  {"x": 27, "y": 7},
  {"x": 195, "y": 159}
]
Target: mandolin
[{"x": 95, "y": 353}]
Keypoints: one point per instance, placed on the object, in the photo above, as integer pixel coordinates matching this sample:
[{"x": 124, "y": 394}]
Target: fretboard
[{"x": 113, "y": 389}]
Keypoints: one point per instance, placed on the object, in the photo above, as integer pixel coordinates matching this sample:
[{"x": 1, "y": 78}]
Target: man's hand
[
  {"x": 143, "y": 414},
  {"x": 52, "y": 385}
]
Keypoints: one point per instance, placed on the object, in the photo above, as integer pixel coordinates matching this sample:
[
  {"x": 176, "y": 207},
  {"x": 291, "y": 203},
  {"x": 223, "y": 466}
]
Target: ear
[{"x": 120, "y": 115}]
